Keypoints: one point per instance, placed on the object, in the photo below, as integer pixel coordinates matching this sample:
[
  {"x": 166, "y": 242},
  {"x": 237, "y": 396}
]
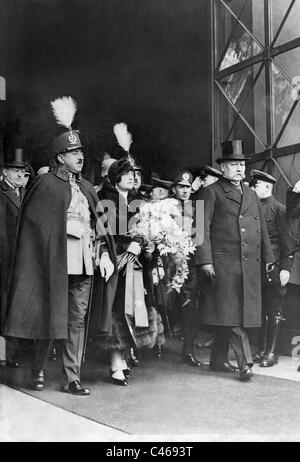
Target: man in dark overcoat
[
  {"x": 52, "y": 277},
  {"x": 235, "y": 243},
  {"x": 11, "y": 196},
  {"x": 274, "y": 288}
]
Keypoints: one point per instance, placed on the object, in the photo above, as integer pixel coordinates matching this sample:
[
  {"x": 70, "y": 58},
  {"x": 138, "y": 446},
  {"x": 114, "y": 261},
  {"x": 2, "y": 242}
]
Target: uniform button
[
  {"x": 245, "y": 258},
  {"x": 241, "y": 216},
  {"x": 244, "y": 244},
  {"x": 243, "y": 230},
  {"x": 258, "y": 230},
  {"x": 258, "y": 245},
  {"x": 256, "y": 217},
  {"x": 258, "y": 259}
]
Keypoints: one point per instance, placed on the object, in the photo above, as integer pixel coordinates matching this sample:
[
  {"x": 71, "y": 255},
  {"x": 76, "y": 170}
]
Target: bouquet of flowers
[{"x": 157, "y": 227}]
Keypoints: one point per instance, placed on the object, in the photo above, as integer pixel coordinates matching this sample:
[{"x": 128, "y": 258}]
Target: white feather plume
[
  {"x": 123, "y": 136},
  {"x": 64, "y": 110}
]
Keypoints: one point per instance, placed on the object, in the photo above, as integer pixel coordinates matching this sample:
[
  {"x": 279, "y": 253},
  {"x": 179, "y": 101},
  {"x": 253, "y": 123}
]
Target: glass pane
[
  {"x": 236, "y": 6},
  {"x": 290, "y": 30},
  {"x": 291, "y": 135},
  {"x": 233, "y": 42},
  {"x": 253, "y": 18},
  {"x": 282, "y": 91},
  {"x": 246, "y": 90},
  {"x": 233, "y": 127},
  {"x": 278, "y": 10}
]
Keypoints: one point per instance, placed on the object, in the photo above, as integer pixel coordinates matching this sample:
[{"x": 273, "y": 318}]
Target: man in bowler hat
[{"x": 235, "y": 243}]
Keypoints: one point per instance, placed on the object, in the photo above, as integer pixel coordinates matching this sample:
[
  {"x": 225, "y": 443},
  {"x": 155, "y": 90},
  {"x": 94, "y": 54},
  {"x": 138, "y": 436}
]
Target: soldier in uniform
[
  {"x": 208, "y": 175},
  {"x": 54, "y": 264},
  {"x": 187, "y": 299},
  {"x": 11, "y": 196},
  {"x": 235, "y": 242},
  {"x": 274, "y": 286}
]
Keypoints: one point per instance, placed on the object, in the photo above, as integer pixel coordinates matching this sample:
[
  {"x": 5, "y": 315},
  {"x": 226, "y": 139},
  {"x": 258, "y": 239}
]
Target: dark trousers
[
  {"x": 236, "y": 337},
  {"x": 79, "y": 291},
  {"x": 273, "y": 299},
  {"x": 189, "y": 312}
]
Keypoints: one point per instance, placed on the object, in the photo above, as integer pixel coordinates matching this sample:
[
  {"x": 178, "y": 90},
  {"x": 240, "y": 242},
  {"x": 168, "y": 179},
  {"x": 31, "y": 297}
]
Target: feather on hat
[
  {"x": 124, "y": 139},
  {"x": 64, "y": 110}
]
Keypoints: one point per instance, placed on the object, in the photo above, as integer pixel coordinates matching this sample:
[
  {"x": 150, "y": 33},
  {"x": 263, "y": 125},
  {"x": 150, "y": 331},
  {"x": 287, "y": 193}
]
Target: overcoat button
[{"x": 243, "y": 230}]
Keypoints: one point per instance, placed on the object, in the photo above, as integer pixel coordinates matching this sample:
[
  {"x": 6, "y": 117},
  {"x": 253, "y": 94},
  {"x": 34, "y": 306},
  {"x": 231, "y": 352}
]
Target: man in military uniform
[
  {"x": 274, "y": 286},
  {"x": 11, "y": 196},
  {"x": 235, "y": 242},
  {"x": 208, "y": 175},
  {"x": 54, "y": 264},
  {"x": 187, "y": 299}
]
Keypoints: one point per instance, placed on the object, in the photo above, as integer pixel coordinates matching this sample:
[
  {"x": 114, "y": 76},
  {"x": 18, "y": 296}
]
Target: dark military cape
[{"x": 38, "y": 302}]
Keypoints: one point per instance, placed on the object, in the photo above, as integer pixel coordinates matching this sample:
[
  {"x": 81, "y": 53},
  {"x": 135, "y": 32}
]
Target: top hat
[
  {"x": 232, "y": 150},
  {"x": 67, "y": 142},
  {"x": 184, "y": 178},
  {"x": 207, "y": 170},
  {"x": 16, "y": 160},
  {"x": 263, "y": 176}
]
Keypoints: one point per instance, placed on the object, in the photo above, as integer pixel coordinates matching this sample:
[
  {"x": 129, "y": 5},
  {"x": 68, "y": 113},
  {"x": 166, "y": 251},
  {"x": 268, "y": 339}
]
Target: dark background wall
[{"x": 144, "y": 62}]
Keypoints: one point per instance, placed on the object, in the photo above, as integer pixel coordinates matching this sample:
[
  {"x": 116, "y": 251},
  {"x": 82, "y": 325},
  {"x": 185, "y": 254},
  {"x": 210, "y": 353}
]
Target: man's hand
[
  {"x": 209, "y": 271},
  {"x": 284, "y": 277},
  {"x": 297, "y": 187},
  {"x": 106, "y": 266},
  {"x": 134, "y": 248},
  {"x": 197, "y": 183}
]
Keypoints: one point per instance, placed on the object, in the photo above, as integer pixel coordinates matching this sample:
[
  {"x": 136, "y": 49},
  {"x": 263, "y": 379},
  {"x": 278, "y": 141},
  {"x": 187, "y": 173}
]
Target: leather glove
[
  {"x": 209, "y": 271},
  {"x": 284, "y": 277},
  {"x": 106, "y": 266}
]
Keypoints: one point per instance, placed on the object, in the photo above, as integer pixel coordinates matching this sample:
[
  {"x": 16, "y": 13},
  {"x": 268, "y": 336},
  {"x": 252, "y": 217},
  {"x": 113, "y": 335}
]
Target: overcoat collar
[
  {"x": 11, "y": 195},
  {"x": 245, "y": 199}
]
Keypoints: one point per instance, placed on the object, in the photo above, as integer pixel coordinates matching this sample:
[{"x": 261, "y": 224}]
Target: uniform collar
[
  {"x": 266, "y": 200},
  {"x": 65, "y": 175}
]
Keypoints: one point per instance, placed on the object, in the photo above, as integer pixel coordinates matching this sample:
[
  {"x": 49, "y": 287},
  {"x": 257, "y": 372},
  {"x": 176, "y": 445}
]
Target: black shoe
[
  {"x": 191, "y": 360},
  {"x": 76, "y": 389},
  {"x": 258, "y": 357},
  {"x": 127, "y": 373},
  {"x": 13, "y": 364},
  {"x": 246, "y": 374},
  {"x": 225, "y": 367},
  {"x": 269, "y": 360},
  {"x": 122, "y": 382},
  {"x": 38, "y": 380}
]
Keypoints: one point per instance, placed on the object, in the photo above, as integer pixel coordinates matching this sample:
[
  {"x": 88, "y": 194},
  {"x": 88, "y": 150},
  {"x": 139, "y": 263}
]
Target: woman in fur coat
[{"x": 132, "y": 323}]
